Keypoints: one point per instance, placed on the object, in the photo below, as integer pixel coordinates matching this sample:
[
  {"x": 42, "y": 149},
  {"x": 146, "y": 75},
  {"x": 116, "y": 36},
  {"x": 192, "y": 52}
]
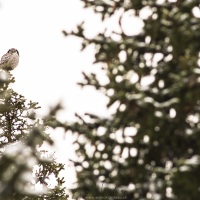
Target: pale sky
[{"x": 51, "y": 64}]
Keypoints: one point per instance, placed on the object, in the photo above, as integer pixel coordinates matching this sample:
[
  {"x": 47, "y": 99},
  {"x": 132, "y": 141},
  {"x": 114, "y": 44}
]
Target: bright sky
[{"x": 51, "y": 64}]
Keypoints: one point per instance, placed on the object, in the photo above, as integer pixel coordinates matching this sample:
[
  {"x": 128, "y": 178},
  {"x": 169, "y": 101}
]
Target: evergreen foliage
[
  {"x": 22, "y": 164},
  {"x": 150, "y": 147}
]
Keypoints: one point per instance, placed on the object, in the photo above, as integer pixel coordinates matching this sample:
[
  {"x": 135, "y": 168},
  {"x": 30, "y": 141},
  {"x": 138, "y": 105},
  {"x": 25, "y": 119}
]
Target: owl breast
[{"x": 13, "y": 61}]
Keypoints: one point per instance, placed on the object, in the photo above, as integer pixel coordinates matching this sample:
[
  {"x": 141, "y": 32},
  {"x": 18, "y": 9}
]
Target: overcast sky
[{"x": 50, "y": 64}]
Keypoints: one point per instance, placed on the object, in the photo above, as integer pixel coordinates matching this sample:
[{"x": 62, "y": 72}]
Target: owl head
[{"x": 13, "y": 50}]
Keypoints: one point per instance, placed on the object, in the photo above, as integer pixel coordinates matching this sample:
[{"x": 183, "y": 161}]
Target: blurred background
[{"x": 149, "y": 148}]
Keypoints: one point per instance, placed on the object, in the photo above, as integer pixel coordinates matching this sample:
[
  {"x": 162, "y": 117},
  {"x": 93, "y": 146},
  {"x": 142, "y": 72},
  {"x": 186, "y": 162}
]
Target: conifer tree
[
  {"x": 150, "y": 147},
  {"x": 22, "y": 164}
]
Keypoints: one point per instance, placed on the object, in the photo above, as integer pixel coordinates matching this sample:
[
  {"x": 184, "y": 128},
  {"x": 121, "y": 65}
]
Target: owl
[{"x": 10, "y": 60}]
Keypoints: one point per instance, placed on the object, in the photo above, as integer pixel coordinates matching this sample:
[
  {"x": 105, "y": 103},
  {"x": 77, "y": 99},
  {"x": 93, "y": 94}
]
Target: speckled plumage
[{"x": 9, "y": 60}]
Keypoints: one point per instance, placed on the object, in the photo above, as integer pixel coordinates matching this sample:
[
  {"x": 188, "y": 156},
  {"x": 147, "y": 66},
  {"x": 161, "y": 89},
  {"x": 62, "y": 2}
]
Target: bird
[{"x": 10, "y": 60}]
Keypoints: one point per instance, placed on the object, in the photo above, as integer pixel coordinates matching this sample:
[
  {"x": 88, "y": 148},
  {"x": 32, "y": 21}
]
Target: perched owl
[{"x": 9, "y": 60}]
